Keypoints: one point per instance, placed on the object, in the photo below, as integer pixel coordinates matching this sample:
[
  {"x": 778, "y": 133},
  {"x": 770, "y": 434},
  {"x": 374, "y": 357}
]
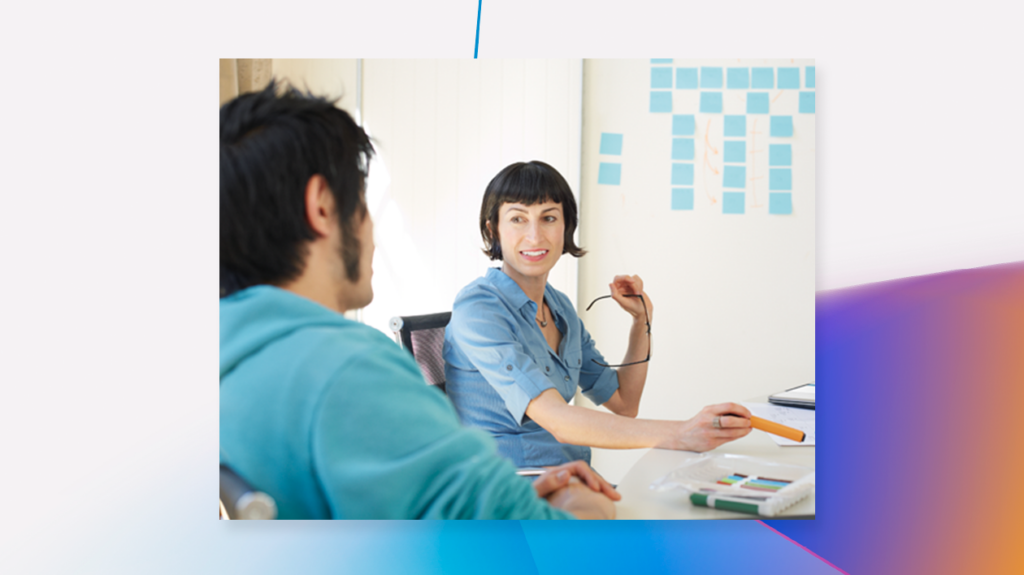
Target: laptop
[{"x": 800, "y": 396}]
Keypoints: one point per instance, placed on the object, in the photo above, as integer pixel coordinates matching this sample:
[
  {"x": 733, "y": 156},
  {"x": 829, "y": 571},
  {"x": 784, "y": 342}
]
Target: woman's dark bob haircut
[{"x": 527, "y": 183}]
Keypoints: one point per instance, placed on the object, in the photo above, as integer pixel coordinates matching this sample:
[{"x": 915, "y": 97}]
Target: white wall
[
  {"x": 734, "y": 294},
  {"x": 443, "y": 129},
  {"x": 333, "y": 78}
]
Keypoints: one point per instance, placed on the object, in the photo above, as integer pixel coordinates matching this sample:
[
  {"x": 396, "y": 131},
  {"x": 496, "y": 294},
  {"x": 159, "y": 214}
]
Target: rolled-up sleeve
[
  {"x": 598, "y": 383},
  {"x": 483, "y": 333}
]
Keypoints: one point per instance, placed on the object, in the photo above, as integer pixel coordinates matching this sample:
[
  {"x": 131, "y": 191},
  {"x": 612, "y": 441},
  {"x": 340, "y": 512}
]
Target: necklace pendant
[{"x": 543, "y": 324}]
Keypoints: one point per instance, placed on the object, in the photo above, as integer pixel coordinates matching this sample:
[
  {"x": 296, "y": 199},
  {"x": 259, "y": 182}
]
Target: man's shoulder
[
  {"x": 351, "y": 332},
  {"x": 350, "y": 343}
]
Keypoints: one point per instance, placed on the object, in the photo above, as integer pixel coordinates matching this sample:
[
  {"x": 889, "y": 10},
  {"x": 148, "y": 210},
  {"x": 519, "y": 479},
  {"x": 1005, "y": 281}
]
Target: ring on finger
[{"x": 716, "y": 422}]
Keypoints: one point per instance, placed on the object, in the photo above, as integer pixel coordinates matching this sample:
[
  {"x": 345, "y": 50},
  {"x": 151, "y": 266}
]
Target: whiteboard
[{"x": 732, "y": 276}]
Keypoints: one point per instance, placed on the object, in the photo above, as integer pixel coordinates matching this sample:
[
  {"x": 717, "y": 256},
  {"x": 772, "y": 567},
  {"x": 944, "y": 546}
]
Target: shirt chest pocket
[{"x": 549, "y": 365}]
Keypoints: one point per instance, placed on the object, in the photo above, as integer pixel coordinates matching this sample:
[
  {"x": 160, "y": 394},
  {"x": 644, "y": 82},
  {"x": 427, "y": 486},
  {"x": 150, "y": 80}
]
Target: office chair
[
  {"x": 238, "y": 500},
  {"x": 423, "y": 336}
]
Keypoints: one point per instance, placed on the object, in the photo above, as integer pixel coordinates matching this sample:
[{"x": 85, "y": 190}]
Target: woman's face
[{"x": 532, "y": 238}]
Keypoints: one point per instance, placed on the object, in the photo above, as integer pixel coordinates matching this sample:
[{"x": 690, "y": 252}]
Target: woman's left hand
[{"x": 622, "y": 286}]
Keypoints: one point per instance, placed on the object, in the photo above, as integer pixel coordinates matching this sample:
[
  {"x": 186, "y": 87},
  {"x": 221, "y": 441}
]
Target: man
[{"x": 326, "y": 415}]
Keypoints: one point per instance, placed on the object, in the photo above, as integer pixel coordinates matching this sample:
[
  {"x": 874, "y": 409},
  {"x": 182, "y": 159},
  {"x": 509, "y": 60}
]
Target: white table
[{"x": 640, "y": 502}]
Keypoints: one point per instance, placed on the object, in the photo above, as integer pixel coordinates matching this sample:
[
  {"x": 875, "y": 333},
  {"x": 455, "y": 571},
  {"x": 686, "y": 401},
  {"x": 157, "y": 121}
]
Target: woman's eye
[
  {"x": 552, "y": 218},
  {"x": 516, "y": 220}
]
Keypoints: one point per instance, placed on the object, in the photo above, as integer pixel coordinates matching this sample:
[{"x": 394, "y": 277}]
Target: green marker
[{"x": 705, "y": 500}]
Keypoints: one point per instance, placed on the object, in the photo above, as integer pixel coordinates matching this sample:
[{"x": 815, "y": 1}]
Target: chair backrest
[
  {"x": 238, "y": 500},
  {"x": 423, "y": 336}
]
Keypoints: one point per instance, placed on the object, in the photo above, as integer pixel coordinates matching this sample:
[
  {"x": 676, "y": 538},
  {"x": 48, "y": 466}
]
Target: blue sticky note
[
  {"x": 609, "y": 174},
  {"x": 682, "y": 198},
  {"x": 782, "y": 126},
  {"x": 780, "y": 179},
  {"x": 710, "y": 77},
  {"x": 682, "y": 149},
  {"x": 734, "y": 202},
  {"x": 611, "y": 144},
  {"x": 686, "y": 78},
  {"x": 806, "y": 102},
  {"x": 661, "y": 60},
  {"x": 682, "y": 174},
  {"x": 661, "y": 77},
  {"x": 809, "y": 76},
  {"x": 737, "y": 78},
  {"x": 734, "y": 177},
  {"x": 735, "y": 125},
  {"x": 763, "y": 79},
  {"x": 789, "y": 78},
  {"x": 735, "y": 151},
  {"x": 780, "y": 155},
  {"x": 684, "y": 125},
  {"x": 757, "y": 102},
  {"x": 710, "y": 102},
  {"x": 661, "y": 102},
  {"x": 780, "y": 203}
]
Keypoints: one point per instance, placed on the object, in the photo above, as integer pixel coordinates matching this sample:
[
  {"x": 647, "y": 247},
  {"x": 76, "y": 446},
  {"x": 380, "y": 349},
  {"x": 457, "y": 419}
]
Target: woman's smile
[{"x": 534, "y": 255}]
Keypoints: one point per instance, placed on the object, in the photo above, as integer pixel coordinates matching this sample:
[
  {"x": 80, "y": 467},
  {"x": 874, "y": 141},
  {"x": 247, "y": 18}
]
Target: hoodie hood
[{"x": 254, "y": 317}]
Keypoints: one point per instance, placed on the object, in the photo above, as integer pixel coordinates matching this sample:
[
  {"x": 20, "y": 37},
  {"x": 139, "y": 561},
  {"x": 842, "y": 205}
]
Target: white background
[{"x": 108, "y": 216}]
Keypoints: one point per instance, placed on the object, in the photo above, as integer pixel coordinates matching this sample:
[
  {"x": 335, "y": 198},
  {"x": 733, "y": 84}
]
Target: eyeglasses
[{"x": 646, "y": 317}]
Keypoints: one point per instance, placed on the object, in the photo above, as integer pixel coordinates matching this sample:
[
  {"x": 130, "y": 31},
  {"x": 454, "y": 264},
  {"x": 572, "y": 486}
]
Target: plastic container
[{"x": 740, "y": 483}]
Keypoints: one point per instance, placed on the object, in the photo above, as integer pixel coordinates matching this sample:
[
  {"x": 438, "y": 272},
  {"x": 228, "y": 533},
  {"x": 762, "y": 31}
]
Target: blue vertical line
[{"x": 476, "y": 46}]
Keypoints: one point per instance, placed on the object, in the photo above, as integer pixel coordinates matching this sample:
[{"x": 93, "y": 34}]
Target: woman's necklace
[{"x": 543, "y": 322}]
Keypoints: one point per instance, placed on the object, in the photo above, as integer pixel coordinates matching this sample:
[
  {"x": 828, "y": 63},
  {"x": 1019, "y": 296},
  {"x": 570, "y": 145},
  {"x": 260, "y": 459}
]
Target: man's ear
[{"x": 319, "y": 205}]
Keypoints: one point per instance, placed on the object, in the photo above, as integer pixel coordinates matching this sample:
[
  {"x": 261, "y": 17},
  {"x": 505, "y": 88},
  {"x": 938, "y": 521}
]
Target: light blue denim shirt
[{"x": 497, "y": 361}]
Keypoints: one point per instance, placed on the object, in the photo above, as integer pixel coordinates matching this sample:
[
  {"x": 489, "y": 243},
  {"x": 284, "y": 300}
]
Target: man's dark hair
[
  {"x": 271, "y": 143},
  {"x": 527, "y": 183}
]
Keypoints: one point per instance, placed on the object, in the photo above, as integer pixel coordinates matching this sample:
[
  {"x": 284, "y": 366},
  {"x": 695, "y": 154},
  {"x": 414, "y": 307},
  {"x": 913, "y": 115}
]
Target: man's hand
[
  {"x": 578, "y": 489},
  {"x": 558, "y": 477},
  {"x": 578, "y": 499}
]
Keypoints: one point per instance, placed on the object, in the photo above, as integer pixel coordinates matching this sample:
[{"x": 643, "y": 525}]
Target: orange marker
[{"x": 777, "y": 429}]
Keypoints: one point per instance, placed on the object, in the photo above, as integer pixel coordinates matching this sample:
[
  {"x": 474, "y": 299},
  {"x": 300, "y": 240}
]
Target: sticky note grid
[{"x": 719, "y": 99}]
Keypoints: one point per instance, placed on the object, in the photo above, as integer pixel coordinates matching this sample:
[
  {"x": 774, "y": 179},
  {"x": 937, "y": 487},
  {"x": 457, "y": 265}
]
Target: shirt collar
[{"x": 508, "y": 287}]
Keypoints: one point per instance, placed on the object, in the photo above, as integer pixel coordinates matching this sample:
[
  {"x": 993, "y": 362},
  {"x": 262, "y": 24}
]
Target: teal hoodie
[{"x": 333, "y": 420}]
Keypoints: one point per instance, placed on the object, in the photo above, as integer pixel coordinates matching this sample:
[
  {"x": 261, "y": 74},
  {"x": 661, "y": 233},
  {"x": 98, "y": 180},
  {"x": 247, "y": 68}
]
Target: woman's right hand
[{"x": 699, "y": 433}]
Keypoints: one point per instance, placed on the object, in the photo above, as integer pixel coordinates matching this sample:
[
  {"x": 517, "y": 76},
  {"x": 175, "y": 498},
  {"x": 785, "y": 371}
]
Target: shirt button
[
  {"x": 567, "y": 378},
  {"x": 508, "y": 367},
  {"x": 547, "y": 368},
  {"x": 579, "y": 361}
]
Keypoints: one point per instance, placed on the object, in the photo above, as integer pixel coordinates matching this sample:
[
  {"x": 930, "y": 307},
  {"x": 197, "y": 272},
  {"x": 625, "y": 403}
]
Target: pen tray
[{"x": 775, "y": 486}]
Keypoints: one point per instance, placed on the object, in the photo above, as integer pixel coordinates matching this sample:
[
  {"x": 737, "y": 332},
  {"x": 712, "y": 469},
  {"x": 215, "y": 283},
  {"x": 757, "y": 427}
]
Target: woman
[{"x": 515, "y": 351}]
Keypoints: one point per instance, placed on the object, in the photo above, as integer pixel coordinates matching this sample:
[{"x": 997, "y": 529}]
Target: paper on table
[{"x": 802, "y": 419}]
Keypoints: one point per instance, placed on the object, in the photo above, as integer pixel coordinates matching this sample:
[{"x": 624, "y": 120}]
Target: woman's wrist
[{"x": 668, "y": 435}]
